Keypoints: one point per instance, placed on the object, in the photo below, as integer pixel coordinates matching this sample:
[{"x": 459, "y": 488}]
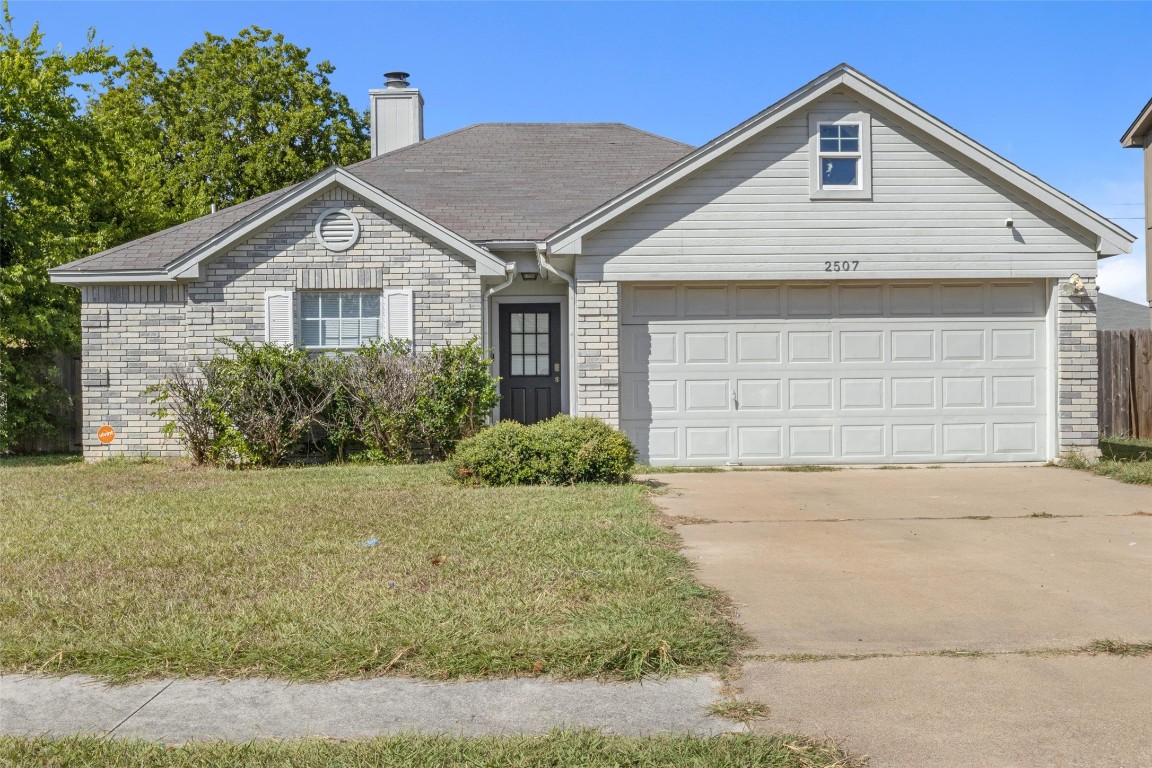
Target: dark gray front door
[{"x": 529, "y": 362}]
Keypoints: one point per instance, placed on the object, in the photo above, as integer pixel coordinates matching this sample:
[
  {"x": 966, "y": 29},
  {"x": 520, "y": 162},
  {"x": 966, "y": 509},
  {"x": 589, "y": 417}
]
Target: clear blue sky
[{"x": 1051, "y": 86}]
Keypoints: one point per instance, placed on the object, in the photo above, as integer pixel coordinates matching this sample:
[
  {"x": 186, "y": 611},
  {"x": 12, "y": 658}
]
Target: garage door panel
[
  {"x": 758, "y": 347},
  {"x": 863, "y": 442},
  {"x": 810, "y": 347},
  {"x": 812, "y": 442},
  {"x": 759, "y": 443},
  {"x": 707, "y": 395},
  {"x": 913, "y": 346},
  {"x": 856, "y": 394},
  {"x": 861, "y": 301},
  {"x": 962, "y": 392},
  {"x": 707, "y": 348},
  {"x": 812, "y": 374},
  {"x": 861, "y": 346},
  {"x": 758, "y": 394},
  {"x": 707, "y": 443}
]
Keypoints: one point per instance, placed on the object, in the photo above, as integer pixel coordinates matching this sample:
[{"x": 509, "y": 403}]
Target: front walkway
[{"x": 175, "y": 711}]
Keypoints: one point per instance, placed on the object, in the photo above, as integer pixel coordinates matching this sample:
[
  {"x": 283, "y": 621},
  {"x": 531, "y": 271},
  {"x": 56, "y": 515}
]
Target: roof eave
[
  {"x": 1140, "y": 128},
  {"x": 80, "y": 278}
]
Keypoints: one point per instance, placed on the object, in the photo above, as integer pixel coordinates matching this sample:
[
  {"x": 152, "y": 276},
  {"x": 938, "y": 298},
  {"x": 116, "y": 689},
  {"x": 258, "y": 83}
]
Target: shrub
[
  {"x": 254, "y": 406},
  {"x": 560, "y": 451},
  {"x": 248, "y": 408},
  {"x": 402, "y": 406}
]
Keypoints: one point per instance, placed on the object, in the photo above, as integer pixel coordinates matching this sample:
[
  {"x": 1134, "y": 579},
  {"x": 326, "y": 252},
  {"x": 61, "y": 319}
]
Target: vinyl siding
[{"x": 749, "y": 216}]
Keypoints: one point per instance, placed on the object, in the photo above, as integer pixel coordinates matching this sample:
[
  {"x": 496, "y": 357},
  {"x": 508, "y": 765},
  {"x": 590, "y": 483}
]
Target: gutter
[
  {"x": 546, "y": 266},
  {"x": 485, "y": 323}
]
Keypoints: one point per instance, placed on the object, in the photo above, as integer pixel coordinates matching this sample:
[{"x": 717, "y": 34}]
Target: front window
[
  {"x": 840, "y": 155},
  {"x": 339, "y": 319}
]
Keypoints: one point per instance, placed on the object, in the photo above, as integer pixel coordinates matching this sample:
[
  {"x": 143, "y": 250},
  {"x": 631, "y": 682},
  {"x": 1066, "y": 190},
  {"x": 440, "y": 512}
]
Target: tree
[
  {"x": 49, "y": 154},
  {"x": 232, "y": 120}
]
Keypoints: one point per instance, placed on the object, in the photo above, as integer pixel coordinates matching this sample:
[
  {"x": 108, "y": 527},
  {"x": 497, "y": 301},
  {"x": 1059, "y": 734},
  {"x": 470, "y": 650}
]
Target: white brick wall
[
  {"x": 598, "y": 350},
  {"x": 132, "y": 333},
  {"x": 1076, "y": 380}
]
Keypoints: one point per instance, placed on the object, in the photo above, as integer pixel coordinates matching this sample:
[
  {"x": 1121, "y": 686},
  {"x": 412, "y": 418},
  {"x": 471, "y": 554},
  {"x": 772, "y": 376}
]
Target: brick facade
[
  {"x": 1076, "y": 378},
  {"x": 131, "y": 334},
  {"x": 598, "y": 350}
]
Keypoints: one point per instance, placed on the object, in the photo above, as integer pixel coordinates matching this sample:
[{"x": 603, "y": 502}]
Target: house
[
  {"x": 1139, "y": 134},
  {"x": 842, "y": 278},
  {"x": 1116, "y": 314}
]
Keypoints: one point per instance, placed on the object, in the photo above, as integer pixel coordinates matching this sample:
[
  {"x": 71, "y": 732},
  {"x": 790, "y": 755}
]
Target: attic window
[
  {"x": 841, "y": 156},
  {"x": 337, "y": 229}
]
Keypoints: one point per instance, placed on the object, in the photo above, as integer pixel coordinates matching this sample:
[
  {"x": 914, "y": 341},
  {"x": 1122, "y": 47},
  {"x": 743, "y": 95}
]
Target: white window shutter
[
  {"x": 398, "y": 315},
  {"x": 279, "y": 323}
]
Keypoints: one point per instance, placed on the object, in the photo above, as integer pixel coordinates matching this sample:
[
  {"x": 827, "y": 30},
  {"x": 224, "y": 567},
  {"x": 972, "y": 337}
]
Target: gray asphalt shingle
[{"x": 492, "y": 181}]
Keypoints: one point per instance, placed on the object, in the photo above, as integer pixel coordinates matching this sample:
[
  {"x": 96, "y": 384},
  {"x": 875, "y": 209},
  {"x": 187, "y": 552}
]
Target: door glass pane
[
  {"x": 530, "y": 323},
  {"x": 517, "y": 322},
  {"x": 542, "y": 323},
  {"x": 517, "y": 344},
  {"x": 542, "y": 343},
  {"x": 517, "y": 365},
  {"x": 529, "y": 343},
  {"x": 541, "y": 365}
]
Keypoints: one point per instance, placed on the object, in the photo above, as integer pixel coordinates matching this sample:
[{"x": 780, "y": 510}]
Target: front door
[{"x": 529, "y": 362}]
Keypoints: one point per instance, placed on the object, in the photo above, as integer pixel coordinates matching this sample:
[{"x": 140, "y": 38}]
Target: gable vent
[{"x": 337, "y": 229}]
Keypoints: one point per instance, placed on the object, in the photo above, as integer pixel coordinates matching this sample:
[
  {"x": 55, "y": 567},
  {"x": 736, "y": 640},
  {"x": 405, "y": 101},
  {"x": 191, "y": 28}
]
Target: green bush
[
  {"x": 249, "y": 408},
  {"x": 560, "y": 451},
  {"x": 257, "y": 405},
  {"x": 403, "y": 407}
]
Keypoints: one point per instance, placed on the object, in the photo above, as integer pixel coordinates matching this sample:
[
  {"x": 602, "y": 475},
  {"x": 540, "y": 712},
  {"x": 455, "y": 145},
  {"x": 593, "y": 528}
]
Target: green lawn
[
  {"x": 127, "y": 570},
  {"x": 582, "y": 749},
  {"x": 1124, "y": 459}
]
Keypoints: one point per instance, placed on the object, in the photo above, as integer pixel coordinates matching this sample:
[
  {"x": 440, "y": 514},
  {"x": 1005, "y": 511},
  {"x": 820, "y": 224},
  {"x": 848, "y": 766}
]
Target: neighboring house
[
  {"x": 841, "y": 278},
  {"x": 1115, "y": 314},
  {"x": 1139, "y": 134}
]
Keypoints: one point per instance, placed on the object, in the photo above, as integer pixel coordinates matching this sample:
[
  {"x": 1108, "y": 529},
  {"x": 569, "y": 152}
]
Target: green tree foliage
[
  {"x": 234, "y": 119},
  {"x": 49, "y": 214}
]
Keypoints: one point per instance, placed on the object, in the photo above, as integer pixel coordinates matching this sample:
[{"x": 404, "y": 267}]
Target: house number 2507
[{"x": 841, "y": 266}]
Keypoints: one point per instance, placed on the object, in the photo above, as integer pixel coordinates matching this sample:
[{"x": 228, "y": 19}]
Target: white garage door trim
[{"x": 848, "y": 372}]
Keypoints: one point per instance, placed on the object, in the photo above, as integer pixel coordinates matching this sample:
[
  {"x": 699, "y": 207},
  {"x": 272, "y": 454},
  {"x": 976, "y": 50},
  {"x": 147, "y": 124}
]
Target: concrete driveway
[{"x": 911, "y": 563}]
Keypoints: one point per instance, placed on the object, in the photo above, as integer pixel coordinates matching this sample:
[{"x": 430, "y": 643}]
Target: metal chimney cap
[{"x": 395, "y": 79}]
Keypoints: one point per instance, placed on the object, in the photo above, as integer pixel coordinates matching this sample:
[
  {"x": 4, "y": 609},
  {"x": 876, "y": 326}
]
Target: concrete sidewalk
[{"x": 175, "y": 711}]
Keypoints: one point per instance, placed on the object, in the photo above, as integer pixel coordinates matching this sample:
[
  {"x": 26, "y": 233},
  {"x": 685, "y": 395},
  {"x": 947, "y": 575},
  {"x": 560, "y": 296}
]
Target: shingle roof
[
  {"x": 1115, "y": 314},
  {"x": 492, "y": 181}
]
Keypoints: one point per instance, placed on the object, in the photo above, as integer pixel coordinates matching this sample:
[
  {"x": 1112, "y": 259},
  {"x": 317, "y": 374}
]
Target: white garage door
[{"x": 835, "y": 372}]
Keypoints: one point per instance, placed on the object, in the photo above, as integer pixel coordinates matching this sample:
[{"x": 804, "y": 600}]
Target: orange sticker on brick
[{"x": 105, "y": 434}]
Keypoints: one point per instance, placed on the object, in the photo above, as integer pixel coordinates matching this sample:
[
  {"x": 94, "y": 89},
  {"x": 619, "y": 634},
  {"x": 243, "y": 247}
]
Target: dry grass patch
[
  {"x": 561, "y": 748},
  {"x": 127, "y": 570}
]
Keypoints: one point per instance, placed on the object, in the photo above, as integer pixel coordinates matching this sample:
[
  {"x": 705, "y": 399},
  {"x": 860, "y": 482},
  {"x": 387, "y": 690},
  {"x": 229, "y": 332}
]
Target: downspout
[
  {"x": 546, "y": 266},
  {"x": 485, "y": 303}
]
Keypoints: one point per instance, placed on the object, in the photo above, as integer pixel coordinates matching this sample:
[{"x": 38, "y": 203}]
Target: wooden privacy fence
[{"x": 1126, "y": 383}]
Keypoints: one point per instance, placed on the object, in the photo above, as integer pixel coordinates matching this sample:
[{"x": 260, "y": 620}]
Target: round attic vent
[{"x": 337, "y": 229}]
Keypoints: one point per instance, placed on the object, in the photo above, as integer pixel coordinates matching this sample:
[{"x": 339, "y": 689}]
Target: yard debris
[
  {"x": 391, "y": 584},
  {"x": 371, "y": 542},
  {"x": 439, "y": 560}
]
